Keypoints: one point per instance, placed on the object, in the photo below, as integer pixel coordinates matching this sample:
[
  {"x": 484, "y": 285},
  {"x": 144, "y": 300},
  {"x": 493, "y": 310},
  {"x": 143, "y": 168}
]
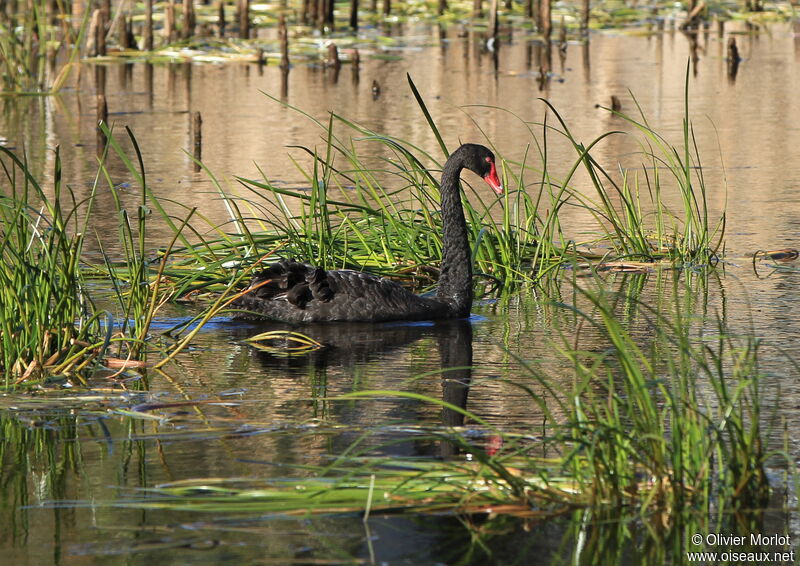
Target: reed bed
[
  {"x": 50, "y": 322},
  {"x": 652, "y": 427},
  {"x": 377, "y": 210}
]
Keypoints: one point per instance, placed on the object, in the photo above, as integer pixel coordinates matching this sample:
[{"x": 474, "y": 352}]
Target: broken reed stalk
[
  {"x": 221, "y": 18},
  {"x": 244, "y": 19},
  {"x": 441, "y": 7},
  {"x": 283, "y": 34},
  {"x": 101, "y": 34},
  {"x": 148, "y": 25},
  {"x": 356, "y": 65},
  {"x": 91, "y": 42},
  {"x": 354, "y": 15},
  {"x": 188, "y": 19},
  {"x": 585, "y": 9},
  {"x": 304, "y": 12},
  {"x": 477, "y": 8},
  {"x": 333, "y": 57},
  {"x": 546, "y": 20},
  {"x": 311, "y": 17},
  {"x": 122, "y": 33},
  {"x": 529, "y": 9},
  {"x": 733, "y": 59},
  {"x": 169, "y": 22},
  {"x": 493, "y": 24},
  {"x": 197, "y": 136},
  {"x": 693, "y": 17},
  {"x": 387, "y": 7}
]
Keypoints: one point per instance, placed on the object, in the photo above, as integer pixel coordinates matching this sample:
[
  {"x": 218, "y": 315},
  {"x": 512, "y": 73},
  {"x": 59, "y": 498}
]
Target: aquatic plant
[
  {"x": 652, "y": 426},
  {"x": 49, "y": 319},
  {"x": 380, "y": 214}
]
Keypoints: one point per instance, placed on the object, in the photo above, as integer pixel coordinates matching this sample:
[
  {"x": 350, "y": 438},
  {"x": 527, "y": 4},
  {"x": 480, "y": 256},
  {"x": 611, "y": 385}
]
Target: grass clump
[
  {"x": 370, "y": 202},
  {"x": 50, "y": 322},
  {"x": 47, "y": 318}
]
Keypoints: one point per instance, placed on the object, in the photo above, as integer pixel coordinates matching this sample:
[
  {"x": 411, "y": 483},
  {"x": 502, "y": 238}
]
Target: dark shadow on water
[{"x": 350, "y": 345}]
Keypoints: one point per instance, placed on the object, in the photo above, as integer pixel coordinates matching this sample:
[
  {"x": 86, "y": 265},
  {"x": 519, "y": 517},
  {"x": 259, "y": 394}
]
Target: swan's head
[{"x": 480, "y": 160}]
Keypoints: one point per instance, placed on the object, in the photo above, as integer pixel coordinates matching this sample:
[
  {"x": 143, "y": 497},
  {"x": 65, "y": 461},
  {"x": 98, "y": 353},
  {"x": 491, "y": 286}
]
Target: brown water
[{"x": 271, "y": 412}]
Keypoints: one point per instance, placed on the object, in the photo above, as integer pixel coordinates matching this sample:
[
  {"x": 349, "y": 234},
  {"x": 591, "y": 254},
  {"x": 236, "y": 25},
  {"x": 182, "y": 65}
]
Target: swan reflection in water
[{"x": 350, "y": 346}]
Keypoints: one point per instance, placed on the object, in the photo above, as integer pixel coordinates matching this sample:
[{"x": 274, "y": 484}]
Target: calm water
[{"x": 260, "y": 414}]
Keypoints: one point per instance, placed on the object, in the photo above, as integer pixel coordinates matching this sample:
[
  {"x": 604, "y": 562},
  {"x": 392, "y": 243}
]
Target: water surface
[{"x": 229, "y": 411}]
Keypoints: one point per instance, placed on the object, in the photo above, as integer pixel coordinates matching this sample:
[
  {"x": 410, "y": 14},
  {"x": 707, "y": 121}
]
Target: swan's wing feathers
[{"x": 298, "y": 292}]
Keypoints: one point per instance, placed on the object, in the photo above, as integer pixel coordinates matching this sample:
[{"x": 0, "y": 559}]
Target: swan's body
[{"x": 291, "y": 291}]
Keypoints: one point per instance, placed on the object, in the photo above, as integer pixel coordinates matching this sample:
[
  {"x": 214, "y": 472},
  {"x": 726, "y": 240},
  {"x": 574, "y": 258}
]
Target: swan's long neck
[{"x": 455, "y": 282}]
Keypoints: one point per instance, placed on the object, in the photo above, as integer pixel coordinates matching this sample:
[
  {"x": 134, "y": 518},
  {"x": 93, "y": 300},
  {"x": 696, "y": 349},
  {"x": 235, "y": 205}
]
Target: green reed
[
  {"x": 372, "y": 204},
  {"x": 47, "y": 318},
  {"x": 50, "y": 322}
]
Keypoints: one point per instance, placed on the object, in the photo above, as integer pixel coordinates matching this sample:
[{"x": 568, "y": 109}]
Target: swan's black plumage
[{"x": 291, "y": 291}]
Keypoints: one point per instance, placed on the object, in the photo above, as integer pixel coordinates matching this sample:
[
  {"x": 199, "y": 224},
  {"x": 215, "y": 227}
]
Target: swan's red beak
[{"x": 493, "y": 180}]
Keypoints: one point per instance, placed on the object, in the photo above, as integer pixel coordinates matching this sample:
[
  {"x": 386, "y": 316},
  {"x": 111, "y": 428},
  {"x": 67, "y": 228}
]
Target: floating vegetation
[
  {"x": 785, "y": 255},
  {"x": 284, "y": 343},
  {"x": 776, "y": 260}
]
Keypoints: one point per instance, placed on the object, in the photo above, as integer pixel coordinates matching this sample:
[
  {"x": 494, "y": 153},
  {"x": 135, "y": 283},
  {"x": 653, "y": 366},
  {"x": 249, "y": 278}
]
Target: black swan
[{"x": 291, "y": 291}]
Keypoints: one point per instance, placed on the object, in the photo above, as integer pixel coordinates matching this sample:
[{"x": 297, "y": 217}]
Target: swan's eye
[{"x": 488, "y": 160}]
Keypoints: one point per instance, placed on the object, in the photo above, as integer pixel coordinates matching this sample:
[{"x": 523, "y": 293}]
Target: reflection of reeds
[
  {"x": 650, "y": 427},
  {"x": 30, "y": 42}
]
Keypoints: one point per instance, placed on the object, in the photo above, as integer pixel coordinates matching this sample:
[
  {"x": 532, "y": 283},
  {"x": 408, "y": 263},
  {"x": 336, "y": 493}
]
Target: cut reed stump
[
  {"x": 94, "y": 33},
  {"x": 122, "y": 33},
  {"x": 197, "y": 137},
  {"x": 354, "y": 15},
  {"x": 733, "y": 59},
  {"x": 169, "y": 22},
  {"x": 692, "y": 19},
  {"x": 304, "y": 12},
  {"x": 545, "y": 18},
  {"x": 585, "y": 10},
  {"x": 283, "y": 34},
  {"x": 244, "y": 19},
  {"x": 221, "y": 18},
  {"x": 188, "y": 19},
  {"x": 147, "y": 44},
  {"x": 356, "y": 66},
  {"x": 333, "y": 57},
  {"x": 493, "y": 24}
]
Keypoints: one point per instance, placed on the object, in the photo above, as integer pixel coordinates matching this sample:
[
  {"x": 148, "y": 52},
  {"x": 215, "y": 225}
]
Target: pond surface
[{"x": 228, "y": 411}]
